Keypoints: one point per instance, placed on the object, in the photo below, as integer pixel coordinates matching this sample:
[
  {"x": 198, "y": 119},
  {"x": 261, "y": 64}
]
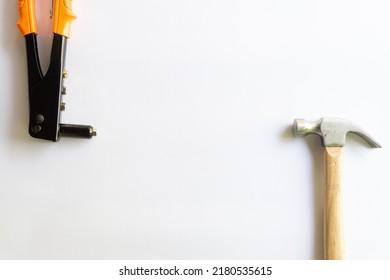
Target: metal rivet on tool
[
  {"x": 62, "y": 106},
  {"x": 36, "y": 128},
  {"x": 65, "y": 74},
  {"x": 39, "y": 118}
]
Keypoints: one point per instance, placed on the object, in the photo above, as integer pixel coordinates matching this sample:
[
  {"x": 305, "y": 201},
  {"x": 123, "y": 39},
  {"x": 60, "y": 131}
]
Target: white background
[{"x": 194, "y": 158}]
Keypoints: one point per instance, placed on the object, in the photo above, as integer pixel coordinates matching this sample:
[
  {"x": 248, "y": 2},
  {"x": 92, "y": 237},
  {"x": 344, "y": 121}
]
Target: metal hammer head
[{"x": 333, "y": 131}]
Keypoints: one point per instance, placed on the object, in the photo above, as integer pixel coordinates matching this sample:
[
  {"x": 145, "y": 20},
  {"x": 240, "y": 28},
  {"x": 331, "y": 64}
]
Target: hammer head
[{"x": 333, "y": 131}]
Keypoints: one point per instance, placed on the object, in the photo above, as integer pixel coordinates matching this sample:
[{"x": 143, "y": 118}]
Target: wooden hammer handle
[{"x": 333, "y": 226}]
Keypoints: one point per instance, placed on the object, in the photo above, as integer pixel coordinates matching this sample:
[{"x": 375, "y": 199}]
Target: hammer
[{"x": 333, "y": 132}]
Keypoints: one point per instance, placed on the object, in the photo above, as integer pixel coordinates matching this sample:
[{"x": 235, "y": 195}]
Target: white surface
[{"x": 194, "y": 159}]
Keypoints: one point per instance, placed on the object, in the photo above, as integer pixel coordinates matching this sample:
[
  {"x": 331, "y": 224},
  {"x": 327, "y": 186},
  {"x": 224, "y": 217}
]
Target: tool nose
[
  {"x": 302, "y": 127},
  {"x": 80, "y": 131}
]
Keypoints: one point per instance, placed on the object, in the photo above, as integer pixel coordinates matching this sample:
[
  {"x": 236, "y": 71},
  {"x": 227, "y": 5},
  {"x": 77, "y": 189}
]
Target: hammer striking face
[{"x": 333, "y": 132}]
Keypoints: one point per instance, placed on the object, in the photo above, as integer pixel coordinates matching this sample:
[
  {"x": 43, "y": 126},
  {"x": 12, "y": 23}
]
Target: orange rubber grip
[
  {"x": 27, "y": 22},
  {"x": 62, "y": 17}
]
